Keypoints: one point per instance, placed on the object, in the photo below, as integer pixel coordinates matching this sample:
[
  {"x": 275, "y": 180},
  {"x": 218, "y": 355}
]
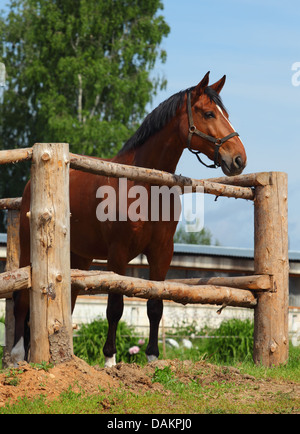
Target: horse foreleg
[
  {"x": 114, "y": 310},
  {"x": 159, "y": 266},
  {"x": 114, "y": 313},
  {"x": 154, "y": 312}
]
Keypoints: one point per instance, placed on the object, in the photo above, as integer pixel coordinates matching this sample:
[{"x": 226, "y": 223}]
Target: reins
[{"x": 193, "y": 130}]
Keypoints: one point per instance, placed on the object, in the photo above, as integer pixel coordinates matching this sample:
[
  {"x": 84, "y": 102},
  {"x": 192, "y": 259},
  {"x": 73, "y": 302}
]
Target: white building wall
[
  {"x": 175, "y": 315},
  {"x": 91, "y": 307}
]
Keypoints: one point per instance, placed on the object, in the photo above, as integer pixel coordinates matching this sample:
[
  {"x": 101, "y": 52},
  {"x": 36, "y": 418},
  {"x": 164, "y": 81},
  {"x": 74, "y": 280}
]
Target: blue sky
[{"x": 254, "y": 43}]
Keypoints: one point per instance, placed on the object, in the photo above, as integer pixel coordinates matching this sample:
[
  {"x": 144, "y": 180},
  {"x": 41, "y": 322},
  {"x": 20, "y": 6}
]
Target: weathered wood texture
[
  {"x": 97, "y": 282},
  {"x": 271, "y": 257},
  {"x": 255, "y": 282},
  {"x": 15, "y": 155},
  {"x": 141, "y": 174},
  {"x": 50, "y": 296},
  {"x": 15, "y": 280},
  {"x": 12, "y": 263},
  {"x": 11, "y": 203},
  {"x": 246, "y": 180}
]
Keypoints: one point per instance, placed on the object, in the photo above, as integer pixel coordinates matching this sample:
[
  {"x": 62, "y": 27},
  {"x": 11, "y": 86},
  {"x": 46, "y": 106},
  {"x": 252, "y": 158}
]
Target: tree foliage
[
  {"x": 78, "y": 71},
  {"x": 204, "y": 236}
]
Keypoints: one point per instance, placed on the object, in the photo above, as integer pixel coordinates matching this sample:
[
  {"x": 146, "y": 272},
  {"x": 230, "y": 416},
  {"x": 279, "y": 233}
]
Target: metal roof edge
[
  {"x": 201, "y": 249},
  {"x": 238, "y": 252}
]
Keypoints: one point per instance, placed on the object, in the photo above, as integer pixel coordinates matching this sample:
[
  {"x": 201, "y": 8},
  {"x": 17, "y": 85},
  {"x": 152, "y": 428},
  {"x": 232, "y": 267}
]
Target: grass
[
  {"x": 288, "y": 372},
  {"x": 183, "y": 397},
  {"x": 176, "y": 397}
]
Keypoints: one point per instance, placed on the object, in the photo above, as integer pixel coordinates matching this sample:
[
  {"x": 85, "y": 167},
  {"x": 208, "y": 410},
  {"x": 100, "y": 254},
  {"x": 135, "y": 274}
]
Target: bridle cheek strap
[{"x": 193, "y": 130}]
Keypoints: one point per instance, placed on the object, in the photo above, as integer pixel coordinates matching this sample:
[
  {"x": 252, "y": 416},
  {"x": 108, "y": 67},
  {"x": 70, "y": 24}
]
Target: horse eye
[{"x": 209, "y": 115}]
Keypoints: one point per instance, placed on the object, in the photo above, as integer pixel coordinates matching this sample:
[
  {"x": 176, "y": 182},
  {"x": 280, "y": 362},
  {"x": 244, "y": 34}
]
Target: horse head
[{"x": 206, "y": 128}]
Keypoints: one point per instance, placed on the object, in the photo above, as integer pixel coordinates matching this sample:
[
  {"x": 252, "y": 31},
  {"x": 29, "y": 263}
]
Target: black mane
[{"x": 160, "y": 116}]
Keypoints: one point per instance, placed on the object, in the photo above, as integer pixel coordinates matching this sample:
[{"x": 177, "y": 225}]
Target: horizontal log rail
[
  {"x": 109, "y": 282},
  {"x": 11, "y": 203},
  {"x": 246, "y": 180},
  {"x": 255, "y": 282},
  {"x": 236, "y": 186},
  {"x": 153, "y": 176},
  {"x": 16, "y": 280},
  {"x": 20, "y": 279},
  {"x": 15, "y": 155},
  {"x": 103, "y": 282}
]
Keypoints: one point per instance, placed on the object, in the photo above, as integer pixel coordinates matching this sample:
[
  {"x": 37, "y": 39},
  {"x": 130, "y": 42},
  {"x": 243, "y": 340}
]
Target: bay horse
[{"x": 195, "y": 119}]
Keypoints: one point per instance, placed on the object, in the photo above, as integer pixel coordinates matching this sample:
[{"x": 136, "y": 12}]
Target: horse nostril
[{"x": 238, "y": 162}]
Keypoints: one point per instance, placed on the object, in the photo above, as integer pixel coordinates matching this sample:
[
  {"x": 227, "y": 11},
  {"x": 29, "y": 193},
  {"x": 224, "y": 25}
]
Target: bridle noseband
[{"x": 193, "y": 130}]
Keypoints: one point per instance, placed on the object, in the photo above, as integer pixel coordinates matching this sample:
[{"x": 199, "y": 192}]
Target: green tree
[
  {"x": 202, "y": 237},
  {"x": 78, "y": 71}
]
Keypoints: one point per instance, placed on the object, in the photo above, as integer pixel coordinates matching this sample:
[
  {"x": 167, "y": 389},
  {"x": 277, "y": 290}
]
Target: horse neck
[{"x": 161, "y": 151}]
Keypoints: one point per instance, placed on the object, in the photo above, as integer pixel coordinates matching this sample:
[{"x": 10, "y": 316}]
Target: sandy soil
[{"x": 32, "y": 382}]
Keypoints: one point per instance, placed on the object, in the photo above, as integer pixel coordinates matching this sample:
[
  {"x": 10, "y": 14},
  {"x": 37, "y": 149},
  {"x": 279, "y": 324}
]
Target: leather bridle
[{"x": 193, "y": 130}]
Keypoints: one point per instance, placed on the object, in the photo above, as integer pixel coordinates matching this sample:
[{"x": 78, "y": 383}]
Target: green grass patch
[
  {"x": 175, "y": 397},
  {"x": 221, "y": 395},
  {"x": 90, "y": 339}
]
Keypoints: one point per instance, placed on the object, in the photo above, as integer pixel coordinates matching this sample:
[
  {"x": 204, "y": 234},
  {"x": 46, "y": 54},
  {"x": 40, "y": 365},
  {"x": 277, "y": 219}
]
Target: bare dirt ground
[{"x": 31, "y": 382}]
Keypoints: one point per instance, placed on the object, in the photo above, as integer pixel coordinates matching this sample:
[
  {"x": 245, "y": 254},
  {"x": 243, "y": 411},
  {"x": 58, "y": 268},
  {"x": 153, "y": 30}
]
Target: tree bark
[
  {"x": 96, "y": 282},
  {"x": 152, "y": 176},
  {"x": 50, "y": 296},
  {"x": 271, "y": 340}
]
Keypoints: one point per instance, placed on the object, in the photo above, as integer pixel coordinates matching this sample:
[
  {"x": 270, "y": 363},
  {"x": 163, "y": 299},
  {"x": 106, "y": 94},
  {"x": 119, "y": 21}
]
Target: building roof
[
  {"x": 237, "y": 252},
  {"x": 194, "y": 249}
]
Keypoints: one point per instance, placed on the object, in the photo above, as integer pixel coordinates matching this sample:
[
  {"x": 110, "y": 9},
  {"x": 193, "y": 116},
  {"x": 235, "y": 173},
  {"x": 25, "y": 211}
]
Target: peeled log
[
  {"x": 255, "y": 282},
  {"x": 95, "y": 282},
  {"x": 152, "y": 176},
  {"x": 16, "y": 280},
  {"x": 11, "y": 203},
  {"x": 15, "y": 155},
  {"x": 271, "y": 339},
  {"x": 50, "y": 295}
]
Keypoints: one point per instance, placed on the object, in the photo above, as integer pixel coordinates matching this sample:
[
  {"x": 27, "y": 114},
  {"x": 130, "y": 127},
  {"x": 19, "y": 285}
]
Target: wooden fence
[{"x": 50, "y": 279}]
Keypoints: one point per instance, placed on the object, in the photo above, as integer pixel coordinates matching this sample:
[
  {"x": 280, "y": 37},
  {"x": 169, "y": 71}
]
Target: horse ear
[
  {"x": 219, "y": 84},
  {"x": 202, "y": 85}
]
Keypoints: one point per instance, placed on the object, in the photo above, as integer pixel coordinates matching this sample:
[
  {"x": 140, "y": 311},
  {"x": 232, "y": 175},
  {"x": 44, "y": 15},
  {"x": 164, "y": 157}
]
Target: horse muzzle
[{"x": 233, "y": 166}]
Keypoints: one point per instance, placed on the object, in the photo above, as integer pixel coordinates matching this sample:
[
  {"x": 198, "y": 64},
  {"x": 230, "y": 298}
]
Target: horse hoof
[
  {"x": 151, "y": 358},
  {"x": 110, "y": 361}
]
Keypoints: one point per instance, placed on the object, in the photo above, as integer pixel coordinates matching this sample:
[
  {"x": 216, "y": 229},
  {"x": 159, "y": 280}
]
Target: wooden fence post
[
  {"x": 271, "y": 257},
  {"x": 12, "y": 263},
  {"x": 50, "y": 296}
]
